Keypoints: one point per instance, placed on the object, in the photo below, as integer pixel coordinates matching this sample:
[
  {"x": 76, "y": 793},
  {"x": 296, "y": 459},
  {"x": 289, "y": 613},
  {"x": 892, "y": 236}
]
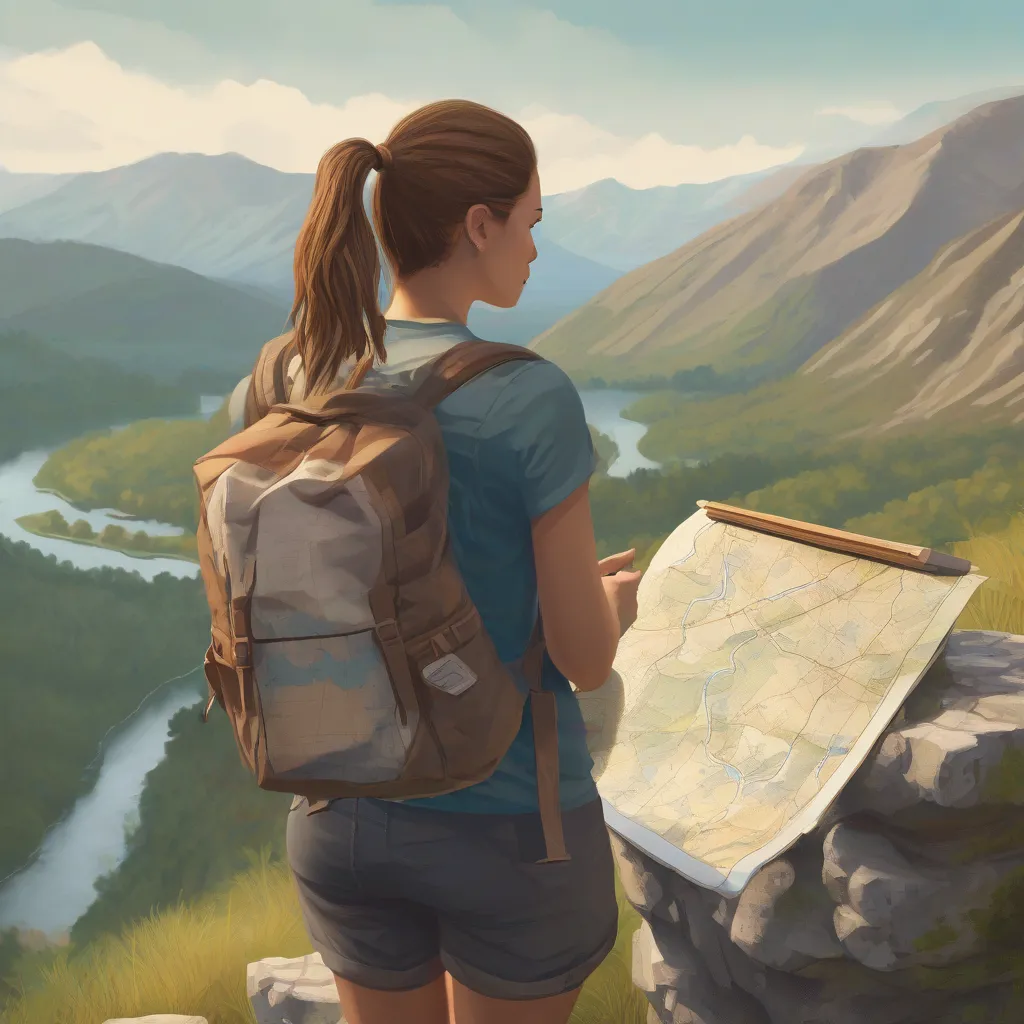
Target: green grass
[
  {"x": 999, "y": 603},
  {"x": 192, "y": 960}
]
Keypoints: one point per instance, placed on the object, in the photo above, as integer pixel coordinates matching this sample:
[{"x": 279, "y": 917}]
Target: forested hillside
[
  {"x": 48, "y": 396},
  {"x": 143, "y": 317},
  {"x": 81, "y": 650}
]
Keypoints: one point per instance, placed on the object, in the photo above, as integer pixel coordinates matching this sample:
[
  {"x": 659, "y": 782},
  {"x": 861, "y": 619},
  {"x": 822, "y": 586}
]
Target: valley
[{"x": 840, "y": 342}]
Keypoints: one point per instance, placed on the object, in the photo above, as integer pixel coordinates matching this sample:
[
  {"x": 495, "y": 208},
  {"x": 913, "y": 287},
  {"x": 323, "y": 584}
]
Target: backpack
[{"x": 345, "y": 648}]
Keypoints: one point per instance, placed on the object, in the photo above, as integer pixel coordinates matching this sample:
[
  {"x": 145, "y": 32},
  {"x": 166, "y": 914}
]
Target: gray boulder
[
  {"x": 905, "y": 905},
  {"x": 300, "y": 990},
  {"x": 157, "y": 1018}
]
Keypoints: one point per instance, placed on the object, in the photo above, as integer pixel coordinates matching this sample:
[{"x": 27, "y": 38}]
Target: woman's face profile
[{"x": 506, "y": 248}]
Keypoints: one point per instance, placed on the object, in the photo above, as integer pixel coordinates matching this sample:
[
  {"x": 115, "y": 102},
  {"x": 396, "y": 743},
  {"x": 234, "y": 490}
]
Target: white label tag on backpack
[{"x": 450, "y": 674}]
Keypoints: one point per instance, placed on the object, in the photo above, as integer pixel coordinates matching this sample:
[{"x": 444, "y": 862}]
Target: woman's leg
[
  {"x": 469, "y": 1007},
  {"x": 446, "y": 1001},
  {"x": 426, "y": 1005},
  {"x": 518, "y": 937}
]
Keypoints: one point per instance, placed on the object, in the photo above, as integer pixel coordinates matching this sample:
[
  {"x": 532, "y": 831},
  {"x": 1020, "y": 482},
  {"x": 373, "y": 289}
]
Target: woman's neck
[{"x": 435, "y": 293}]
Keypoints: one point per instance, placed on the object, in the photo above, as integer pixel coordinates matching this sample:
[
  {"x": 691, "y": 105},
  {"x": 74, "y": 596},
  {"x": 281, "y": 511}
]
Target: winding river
[{"x": 58, "y": 885}]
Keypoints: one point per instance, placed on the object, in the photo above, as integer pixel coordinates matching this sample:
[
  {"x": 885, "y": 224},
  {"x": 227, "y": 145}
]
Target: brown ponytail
[
  {"x": 336, "y": 311},
  {"x": 437, "y": 163}
]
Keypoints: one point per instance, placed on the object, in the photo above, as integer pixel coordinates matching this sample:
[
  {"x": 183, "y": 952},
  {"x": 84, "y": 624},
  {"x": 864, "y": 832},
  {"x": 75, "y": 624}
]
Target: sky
[{"x": 651, "y": 92}]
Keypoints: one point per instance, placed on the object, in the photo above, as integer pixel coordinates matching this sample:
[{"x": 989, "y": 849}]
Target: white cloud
[
  {"x": 865, "y": 113},
  {"x": 76, "y": 110},
  {"x": 573, "y": 152}
]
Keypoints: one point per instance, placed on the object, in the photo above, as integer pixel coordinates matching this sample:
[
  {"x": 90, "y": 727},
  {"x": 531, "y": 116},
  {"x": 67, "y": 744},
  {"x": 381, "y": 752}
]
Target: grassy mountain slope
[
  {"x": 946, "y": 348},
  {"x": 767, "y": 290},
  {"x": 145, "y": 317}
]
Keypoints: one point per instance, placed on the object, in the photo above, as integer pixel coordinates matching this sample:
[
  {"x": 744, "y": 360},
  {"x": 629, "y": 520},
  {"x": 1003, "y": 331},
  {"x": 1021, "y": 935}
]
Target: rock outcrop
[
  {"x": 158, "y": 1018},
  {"x": 297, "y": 991},
  {"x": 905, "y": 906}
]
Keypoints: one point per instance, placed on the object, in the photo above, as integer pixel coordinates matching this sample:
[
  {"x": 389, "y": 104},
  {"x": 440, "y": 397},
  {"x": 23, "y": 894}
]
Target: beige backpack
[{"x": 345, "y": 647}]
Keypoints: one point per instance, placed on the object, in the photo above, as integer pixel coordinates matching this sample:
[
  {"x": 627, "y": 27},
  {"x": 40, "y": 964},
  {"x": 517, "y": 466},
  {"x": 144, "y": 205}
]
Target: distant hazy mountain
[
  {"x": 928, "y": 118},
  {"x": 624, "y": 227},
  {"x": 144, "y": 316},
  {"x": 765, "y": 291},
  {"x": 220, "y": 216},
  {"x": 836, "y": 135},
  {"x": 229, "y": 218},
  {"x": 18, "y": 189}
]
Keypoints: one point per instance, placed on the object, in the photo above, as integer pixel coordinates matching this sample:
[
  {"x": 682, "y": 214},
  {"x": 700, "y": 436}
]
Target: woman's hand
[{"x": 620, "y": 586}]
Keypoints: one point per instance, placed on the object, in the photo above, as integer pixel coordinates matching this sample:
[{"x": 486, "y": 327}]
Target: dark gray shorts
[{"x": 392, "y": 896}]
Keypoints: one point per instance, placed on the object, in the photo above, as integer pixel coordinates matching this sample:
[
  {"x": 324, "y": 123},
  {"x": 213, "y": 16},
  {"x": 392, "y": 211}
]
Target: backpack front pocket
[
  {"x": 329, "y": 709},
  {"x": 476, "y": 708}
]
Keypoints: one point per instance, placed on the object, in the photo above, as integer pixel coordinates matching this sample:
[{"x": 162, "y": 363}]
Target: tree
[{"x": 81, "y": 530}]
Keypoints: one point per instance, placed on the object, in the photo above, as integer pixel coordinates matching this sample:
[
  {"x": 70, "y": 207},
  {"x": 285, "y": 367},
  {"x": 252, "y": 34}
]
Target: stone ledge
[{"x": 894, "y": 910}]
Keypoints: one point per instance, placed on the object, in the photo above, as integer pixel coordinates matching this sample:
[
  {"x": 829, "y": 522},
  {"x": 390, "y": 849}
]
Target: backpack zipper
[{"x": 313, "y": 636}]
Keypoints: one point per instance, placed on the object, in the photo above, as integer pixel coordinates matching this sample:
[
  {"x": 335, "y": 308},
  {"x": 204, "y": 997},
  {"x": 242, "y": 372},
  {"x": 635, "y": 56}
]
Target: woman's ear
[{"x": 477, "y": 223}]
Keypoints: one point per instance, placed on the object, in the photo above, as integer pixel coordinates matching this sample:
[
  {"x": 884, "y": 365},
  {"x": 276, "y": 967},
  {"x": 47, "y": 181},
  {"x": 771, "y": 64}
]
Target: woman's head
[{"x": 456, "y": 178}]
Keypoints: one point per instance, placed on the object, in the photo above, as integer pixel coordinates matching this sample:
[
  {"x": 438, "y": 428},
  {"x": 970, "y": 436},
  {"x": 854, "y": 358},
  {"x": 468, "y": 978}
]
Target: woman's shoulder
[
  {"x": 534, "y": 433},
  {"x": 539, "y": 398},
  {"x": 530, "y": 383}
]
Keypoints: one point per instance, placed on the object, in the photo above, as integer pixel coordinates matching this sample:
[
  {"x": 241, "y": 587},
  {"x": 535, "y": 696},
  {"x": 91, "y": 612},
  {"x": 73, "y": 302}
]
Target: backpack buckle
[
  {"x": 387, "y": 631},
  {"x": 242, "y": 651}
]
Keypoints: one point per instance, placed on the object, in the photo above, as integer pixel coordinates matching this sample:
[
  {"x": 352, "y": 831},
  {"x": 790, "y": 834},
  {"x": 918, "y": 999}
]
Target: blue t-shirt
[{"x": 518, "y": 444}]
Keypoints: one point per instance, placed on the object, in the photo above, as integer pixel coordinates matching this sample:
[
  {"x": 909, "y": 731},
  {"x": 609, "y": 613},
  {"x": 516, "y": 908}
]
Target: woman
[{"x": 430, "y": 910}]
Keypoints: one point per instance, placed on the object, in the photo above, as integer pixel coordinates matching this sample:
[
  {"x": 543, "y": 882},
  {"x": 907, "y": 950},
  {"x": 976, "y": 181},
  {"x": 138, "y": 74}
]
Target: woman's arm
[{"x": 584, "y": 612}]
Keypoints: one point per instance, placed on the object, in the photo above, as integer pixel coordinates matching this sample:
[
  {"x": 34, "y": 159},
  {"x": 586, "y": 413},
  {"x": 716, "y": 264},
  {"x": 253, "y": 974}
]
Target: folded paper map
[{"x": 757, "y": 677}]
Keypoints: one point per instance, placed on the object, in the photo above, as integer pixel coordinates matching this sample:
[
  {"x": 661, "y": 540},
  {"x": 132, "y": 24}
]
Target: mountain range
[
  {"x": 821, "y": 283},
  {"x": 763, "y": 292},
  {"x": 229, "y": 218},
  {"x": 944, "y": 352},
  {"x": 624, "y": 227}
]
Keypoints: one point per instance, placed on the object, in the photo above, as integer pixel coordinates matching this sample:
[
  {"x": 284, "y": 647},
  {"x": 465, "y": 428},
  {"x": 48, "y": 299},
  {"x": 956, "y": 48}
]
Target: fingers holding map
[{"x": 759, "y": 673}]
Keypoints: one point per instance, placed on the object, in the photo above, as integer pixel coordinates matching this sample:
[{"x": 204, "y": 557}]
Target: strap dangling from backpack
[{"x": 544, "y": 710}]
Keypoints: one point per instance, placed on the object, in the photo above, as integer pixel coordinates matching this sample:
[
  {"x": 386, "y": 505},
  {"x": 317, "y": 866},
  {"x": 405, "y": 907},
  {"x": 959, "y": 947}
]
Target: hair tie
[{"x": 384, "y": 160}]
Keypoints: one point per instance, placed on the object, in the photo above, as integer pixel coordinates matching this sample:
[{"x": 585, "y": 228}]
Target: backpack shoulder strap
[
  {"x": 461, "y": 363},
  {"x": 267, "y": 387}
]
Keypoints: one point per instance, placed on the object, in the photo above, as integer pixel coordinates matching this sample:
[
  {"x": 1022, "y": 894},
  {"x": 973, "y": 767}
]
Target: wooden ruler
[{"x": 906, "y": 556}]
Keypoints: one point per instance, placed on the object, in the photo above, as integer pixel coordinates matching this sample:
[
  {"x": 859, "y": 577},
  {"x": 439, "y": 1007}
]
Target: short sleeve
[{"x": 536, "y": 437}]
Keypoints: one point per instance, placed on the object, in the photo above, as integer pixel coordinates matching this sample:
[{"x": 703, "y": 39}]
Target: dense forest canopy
[
  {"x": 81, "y": 650},
  {"x": 48, "y": 396}
]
